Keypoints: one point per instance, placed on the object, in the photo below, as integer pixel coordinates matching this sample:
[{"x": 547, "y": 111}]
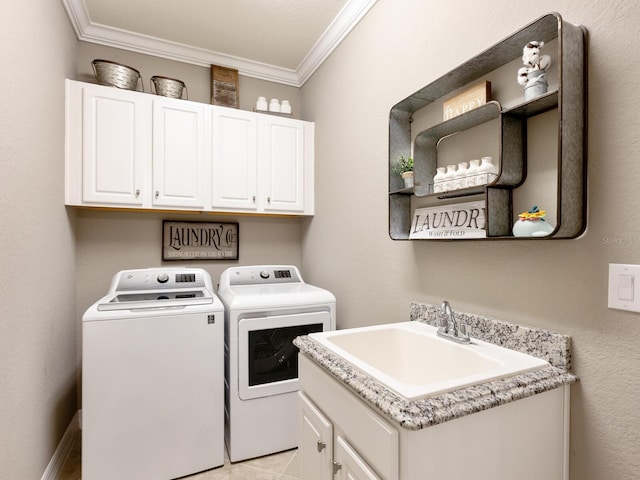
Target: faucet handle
[{"x": 463, "y": 331}]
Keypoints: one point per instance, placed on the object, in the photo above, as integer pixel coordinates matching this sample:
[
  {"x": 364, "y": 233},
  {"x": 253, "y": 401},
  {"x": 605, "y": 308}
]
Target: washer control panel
[
  {"x": 151, "y": 279},
  {"x": 263, "y": 274}
]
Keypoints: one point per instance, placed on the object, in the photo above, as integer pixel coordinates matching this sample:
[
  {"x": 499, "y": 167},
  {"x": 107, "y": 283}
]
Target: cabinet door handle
[
  {"x": 137, "y": 192},
  {"x": 336, "y": 467},
  {"x": 254, "y": 199},
  {"x": 321, "y": 445},
  {"x": 269, "y": 200},
  {"x": 157, "y": 193}
]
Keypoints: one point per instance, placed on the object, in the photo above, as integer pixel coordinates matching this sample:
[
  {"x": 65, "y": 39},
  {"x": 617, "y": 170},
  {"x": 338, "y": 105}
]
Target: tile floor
[{"x": 280, "y": 466}]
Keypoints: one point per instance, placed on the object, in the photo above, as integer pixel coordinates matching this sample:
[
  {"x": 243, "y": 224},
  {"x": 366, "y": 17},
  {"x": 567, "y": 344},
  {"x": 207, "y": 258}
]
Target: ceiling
[{"x": 282, "y": 41}]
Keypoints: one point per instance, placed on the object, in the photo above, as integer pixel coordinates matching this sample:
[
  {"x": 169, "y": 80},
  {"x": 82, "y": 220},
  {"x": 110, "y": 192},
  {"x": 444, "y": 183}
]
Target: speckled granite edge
[
  {"x": 550, "y": 346},
  {"x": 415, "y": 415}
]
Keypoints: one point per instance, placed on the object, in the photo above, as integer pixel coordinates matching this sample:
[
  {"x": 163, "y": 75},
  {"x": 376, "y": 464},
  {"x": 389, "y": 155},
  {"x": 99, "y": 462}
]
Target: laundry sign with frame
[
  {"x": 450, "y": 222},
  {"x": 200, "y": 241}
]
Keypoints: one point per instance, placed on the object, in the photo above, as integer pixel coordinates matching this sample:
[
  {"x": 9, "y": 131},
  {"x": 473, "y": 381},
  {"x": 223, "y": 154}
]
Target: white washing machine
[
  {"x": 266, "y": 308},
  {"x": 152, "y": 377}
]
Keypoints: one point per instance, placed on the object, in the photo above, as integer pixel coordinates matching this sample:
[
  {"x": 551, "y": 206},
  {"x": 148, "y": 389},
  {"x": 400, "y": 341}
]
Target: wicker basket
[
  {"x": 168, "y": 87},
  {"x": 116, "y": 75}
]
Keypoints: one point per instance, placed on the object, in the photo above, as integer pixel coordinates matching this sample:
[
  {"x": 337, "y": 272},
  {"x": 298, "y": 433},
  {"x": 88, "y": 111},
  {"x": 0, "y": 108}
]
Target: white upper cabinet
[
  {"x": 261, "y": 163},
  {"x": 110, "y": 138},
  {"x": 180, "y": 154},
  {"x": 283, "y": 148},
  {"x": 133, "y": 150},
  {"x": 234, "y": 172}
]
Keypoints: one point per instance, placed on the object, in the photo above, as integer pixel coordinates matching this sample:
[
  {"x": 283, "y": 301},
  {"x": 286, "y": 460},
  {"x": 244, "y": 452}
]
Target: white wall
[
  {"x": 398, "y": 48},
  {"x": 38, "y": 337}
]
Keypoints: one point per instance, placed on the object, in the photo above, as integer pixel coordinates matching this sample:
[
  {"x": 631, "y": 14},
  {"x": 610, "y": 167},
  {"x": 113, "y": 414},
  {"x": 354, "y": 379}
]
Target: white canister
[
  {"x": 472, "y": 173},
  {"x": 261, "y": 104},
  {"x": 487, "y": 171},
  {"x": 438, "y": 179},
  {"x": 461, "y": 175},
  {"x": 449, "y": 178},
  {"x": 274, "y": 105},
  {"x": 285, "y": 107}
]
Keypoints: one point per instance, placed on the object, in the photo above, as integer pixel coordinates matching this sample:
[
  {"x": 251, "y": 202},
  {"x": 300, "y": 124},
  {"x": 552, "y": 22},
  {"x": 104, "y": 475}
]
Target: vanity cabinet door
[
  {"x": 349, "y": 465},
  {"x": 315, "y": 442}
]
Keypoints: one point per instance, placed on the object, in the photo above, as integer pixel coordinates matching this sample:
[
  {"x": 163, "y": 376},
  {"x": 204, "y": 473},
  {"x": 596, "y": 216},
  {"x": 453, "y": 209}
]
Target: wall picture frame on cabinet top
[
  {"x": 225, "y": 88},
  {"x": 200, "y": 241}
]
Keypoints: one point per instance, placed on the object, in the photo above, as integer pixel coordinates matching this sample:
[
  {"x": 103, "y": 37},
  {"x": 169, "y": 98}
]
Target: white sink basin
[{"x": 413, "y": 361}]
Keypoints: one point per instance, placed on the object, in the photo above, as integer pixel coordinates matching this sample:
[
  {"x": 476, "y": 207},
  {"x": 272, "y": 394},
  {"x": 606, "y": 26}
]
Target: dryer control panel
[{"x": 262, "y": 275}]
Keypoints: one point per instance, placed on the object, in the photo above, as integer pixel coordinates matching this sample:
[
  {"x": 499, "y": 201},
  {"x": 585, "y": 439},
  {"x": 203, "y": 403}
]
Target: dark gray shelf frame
[{"x": 569, "y": 99}]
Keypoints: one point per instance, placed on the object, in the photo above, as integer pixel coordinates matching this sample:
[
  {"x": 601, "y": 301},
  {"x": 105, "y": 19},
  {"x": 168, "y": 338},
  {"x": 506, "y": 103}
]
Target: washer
[
  {"x": 266, "y": 307},
  {"x": 152, "y": 377}
]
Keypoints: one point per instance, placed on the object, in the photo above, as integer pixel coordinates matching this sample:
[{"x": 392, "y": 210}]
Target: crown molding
[{"x": 345, "y": 21}]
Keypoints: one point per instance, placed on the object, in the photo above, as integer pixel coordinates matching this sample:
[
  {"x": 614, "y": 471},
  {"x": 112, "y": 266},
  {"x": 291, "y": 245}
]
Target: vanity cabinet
[
  {"x": 129, "y": 149},
  {"x": 338, "y": 434},
  {"x": 326, "y": 450},
  {"x": 323, "y": 454},
  {"x": 566, "y": 97},
  {"x": 341, "y": 436}
]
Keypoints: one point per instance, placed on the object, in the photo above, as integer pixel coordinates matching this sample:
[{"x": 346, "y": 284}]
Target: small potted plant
[{"x": 404, "y": 168}]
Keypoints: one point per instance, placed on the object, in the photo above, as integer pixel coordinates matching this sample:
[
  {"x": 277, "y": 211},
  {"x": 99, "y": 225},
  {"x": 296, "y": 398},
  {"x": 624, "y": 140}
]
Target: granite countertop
[{"x": 415, "y": 415}]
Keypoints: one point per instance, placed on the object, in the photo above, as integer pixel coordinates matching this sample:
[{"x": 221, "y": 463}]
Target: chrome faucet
[{"x": 449, "y": 327}]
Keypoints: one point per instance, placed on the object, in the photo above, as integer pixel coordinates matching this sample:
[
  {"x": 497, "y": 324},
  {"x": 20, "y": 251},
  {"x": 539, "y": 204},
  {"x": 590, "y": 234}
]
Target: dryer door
[{"x": 267, "y": 357}]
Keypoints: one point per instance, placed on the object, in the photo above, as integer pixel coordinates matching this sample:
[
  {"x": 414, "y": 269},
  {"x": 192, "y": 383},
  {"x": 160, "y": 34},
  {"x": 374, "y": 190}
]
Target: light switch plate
[{"x": 624, "y": 287}]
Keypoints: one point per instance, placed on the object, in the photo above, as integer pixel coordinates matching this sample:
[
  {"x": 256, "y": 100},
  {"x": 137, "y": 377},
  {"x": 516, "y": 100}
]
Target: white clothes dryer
[
  {"x": 266, "y": 308},
  {"x": 152, "y": 377}
]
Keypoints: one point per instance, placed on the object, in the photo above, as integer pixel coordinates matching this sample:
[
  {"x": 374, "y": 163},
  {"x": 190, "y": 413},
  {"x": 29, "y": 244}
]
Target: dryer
[
  {"x": 266, "y": 308},
  {"x": 152, "y": 377}
]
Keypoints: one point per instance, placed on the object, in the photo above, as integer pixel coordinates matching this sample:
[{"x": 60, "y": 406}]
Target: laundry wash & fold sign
[{"x": 459, "y": 221}]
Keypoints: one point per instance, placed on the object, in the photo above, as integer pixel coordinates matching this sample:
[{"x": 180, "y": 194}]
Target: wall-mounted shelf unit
[{"x": 569, "y": 99}]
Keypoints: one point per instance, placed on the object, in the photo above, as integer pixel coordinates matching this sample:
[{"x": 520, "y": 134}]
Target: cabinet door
[
  {"x": 233, "y": 176},
  {"x": 315, "y": 442},
  {"x": 115, "y": 145},
  {"x": 351, "y": 466},
  {"x": 284, "y": 164},
  {"x": 180, "y": 153}
]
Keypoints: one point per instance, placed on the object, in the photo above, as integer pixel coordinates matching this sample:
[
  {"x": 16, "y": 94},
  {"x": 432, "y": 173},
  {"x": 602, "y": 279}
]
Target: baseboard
[{"x": 54, "y": 469}]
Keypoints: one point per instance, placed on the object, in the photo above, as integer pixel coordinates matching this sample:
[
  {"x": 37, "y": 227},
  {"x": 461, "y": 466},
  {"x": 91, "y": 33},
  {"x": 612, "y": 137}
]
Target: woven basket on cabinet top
[
  {"x": 116, "y": 75},
  {"x": 168, "y": 87}
]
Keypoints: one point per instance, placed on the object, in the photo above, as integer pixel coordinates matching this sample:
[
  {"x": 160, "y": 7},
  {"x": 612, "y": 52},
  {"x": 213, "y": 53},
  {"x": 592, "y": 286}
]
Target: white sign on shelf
[{"x": 459, "y": 221}]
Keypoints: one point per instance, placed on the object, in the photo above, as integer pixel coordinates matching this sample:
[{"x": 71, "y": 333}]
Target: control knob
[
  {"x": 264, "y": 274},
  {"x": 163, "y": 278}
]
